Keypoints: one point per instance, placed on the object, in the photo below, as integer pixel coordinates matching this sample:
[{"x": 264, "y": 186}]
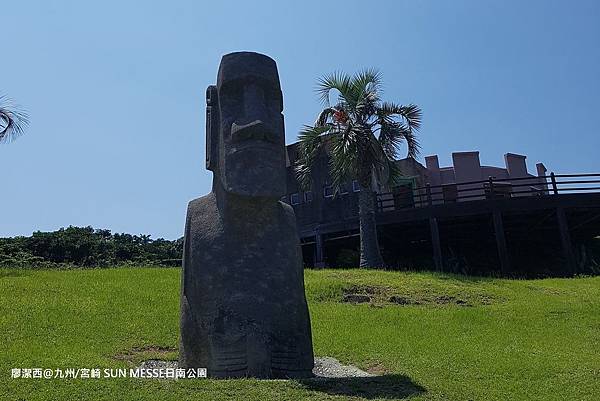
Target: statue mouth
[{"x": 254, "y": 158}]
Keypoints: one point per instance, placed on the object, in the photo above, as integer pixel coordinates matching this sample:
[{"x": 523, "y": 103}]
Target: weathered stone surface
[{"x": 243, "y": 307}]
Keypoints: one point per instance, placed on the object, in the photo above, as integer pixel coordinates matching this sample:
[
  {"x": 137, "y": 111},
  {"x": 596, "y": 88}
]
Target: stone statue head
[{"x": 245, "y": 138}]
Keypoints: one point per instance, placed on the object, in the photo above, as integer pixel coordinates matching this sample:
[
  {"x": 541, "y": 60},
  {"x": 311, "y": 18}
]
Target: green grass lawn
[{"x": 431, "y": 336}]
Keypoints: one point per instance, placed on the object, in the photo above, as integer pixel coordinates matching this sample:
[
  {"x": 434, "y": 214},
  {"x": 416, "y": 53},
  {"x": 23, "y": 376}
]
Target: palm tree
[
  {"x": 364, "y": 136},
  {"x": 12, "y": 120}
]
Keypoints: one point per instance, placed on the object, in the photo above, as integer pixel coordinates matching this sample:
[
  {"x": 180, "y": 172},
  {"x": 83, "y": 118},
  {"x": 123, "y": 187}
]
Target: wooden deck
[{"x": 548, "y": 220}]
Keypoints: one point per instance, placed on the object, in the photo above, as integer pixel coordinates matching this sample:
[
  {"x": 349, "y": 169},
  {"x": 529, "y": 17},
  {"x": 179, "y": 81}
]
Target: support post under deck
[
  {"x": 565, "y": 239},
  {"x": 501, "y": 241},
  {"x": 436, "y": 244}
]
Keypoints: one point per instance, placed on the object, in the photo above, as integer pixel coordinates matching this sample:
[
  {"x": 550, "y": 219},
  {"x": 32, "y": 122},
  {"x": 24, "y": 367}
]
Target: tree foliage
[
  {"x": 13, "y": 120},
  {"x": 364, "y": 137},
  {"x": 87, "y": 247},
  {"x": 366, "y": 134}
]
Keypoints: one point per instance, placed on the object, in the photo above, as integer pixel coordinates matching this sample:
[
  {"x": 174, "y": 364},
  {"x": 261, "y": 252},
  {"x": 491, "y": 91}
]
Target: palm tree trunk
[{"x": 370, "y": 256}]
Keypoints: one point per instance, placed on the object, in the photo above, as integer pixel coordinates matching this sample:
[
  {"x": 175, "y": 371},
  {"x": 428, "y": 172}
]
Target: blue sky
[{"x": 115, "y": 90}]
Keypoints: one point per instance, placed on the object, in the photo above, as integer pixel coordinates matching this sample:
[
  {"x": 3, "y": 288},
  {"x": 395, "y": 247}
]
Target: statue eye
[{"x": 231, "y": 96}]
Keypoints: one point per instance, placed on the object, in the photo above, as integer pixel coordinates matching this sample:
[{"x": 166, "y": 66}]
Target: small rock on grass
[{"x": 325, "y": 368}]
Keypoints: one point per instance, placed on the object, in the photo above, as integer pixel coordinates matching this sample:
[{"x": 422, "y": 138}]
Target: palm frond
[
  {"x": 13, "y": 120},
  {"x": 309, "y": 145},
  {"x": 411, "y": 114},
  {"x": 368, "y": 80},
  {"x": 391, "y": 138},
  {"x": 395, "y": 173},
  {"x": 367, "y": 86},
  {"x": 338, "y": 81},
  {"x": 324, "y": 115},
  {"x": 343, "y": 160},
  {"x": 413, "y": 146},
  {"x": 386, "y": 169},
  {"x": 375, "y": 154},
  {"x": 393, "y": 134}
]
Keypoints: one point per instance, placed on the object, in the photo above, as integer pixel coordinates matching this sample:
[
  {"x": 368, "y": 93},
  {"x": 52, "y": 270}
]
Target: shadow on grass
[{"x": 386, "y": 386}]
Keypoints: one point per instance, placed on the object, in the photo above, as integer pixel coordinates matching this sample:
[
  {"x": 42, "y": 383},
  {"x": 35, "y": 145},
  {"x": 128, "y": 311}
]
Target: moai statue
[{"x": 243, "y": 308}]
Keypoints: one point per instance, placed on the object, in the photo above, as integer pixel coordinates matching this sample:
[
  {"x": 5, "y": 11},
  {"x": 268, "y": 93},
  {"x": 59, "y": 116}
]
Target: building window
[
  {"x": 295, "y": 198},
  {"x": 343, "y": 189},
  {"x": 328, "y": 191},
  {"x": 308, "y": 196},
  {"x": 355, "y": 186}
]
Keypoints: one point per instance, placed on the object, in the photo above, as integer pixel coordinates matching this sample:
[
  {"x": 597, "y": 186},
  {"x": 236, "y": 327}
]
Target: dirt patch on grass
[
  {"x": 448, "y": 299},
  {"x": 359, "y": 294},
  {"x": 137, "y": 354},
  {"x": 382, "y": 296},
  {"x": 400, "y": 300},
  {"x": 377, "y": 368},
  {"x": 356, "y": 298}
]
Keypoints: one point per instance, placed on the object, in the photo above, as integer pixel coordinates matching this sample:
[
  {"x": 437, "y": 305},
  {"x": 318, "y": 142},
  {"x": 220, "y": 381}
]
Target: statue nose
[
  {"x": 255, "y": 103},
  {"x": 257, "y": 130}
]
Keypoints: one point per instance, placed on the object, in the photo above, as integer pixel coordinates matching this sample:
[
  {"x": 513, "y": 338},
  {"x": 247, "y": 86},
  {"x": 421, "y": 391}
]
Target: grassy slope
[{"x": 458, "y": 338}]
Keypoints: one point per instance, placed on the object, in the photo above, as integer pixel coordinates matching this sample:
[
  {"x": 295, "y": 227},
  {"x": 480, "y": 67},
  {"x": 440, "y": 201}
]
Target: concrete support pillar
[
  {"x": 467, "y": 168},
  {"x": 541, "y": 172},
  {"x": 436, "y": 244},
  {"x": 433, "y": 177},
  {"x": 515, "y": 165},
  {"x": 501, "y": 242},
  {"x": 565, "y": 239},
  {"x": 517, "y": 168}
]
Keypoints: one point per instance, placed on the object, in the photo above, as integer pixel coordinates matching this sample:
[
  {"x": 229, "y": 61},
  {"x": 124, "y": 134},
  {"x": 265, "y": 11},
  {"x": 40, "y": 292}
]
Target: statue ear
[{"x": 212, "y": 127}]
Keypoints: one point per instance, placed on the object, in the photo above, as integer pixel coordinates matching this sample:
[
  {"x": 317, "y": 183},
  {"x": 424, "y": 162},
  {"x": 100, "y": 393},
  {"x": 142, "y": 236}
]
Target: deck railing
[{"x": 492, "y": 188}]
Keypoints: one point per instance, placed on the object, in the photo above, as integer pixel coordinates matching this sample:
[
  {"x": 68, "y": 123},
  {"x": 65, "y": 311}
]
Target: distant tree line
[{"x": 87, "y": 247}]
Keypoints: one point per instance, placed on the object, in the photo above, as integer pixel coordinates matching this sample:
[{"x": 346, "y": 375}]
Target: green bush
[{"x": 86, "y": 247}]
